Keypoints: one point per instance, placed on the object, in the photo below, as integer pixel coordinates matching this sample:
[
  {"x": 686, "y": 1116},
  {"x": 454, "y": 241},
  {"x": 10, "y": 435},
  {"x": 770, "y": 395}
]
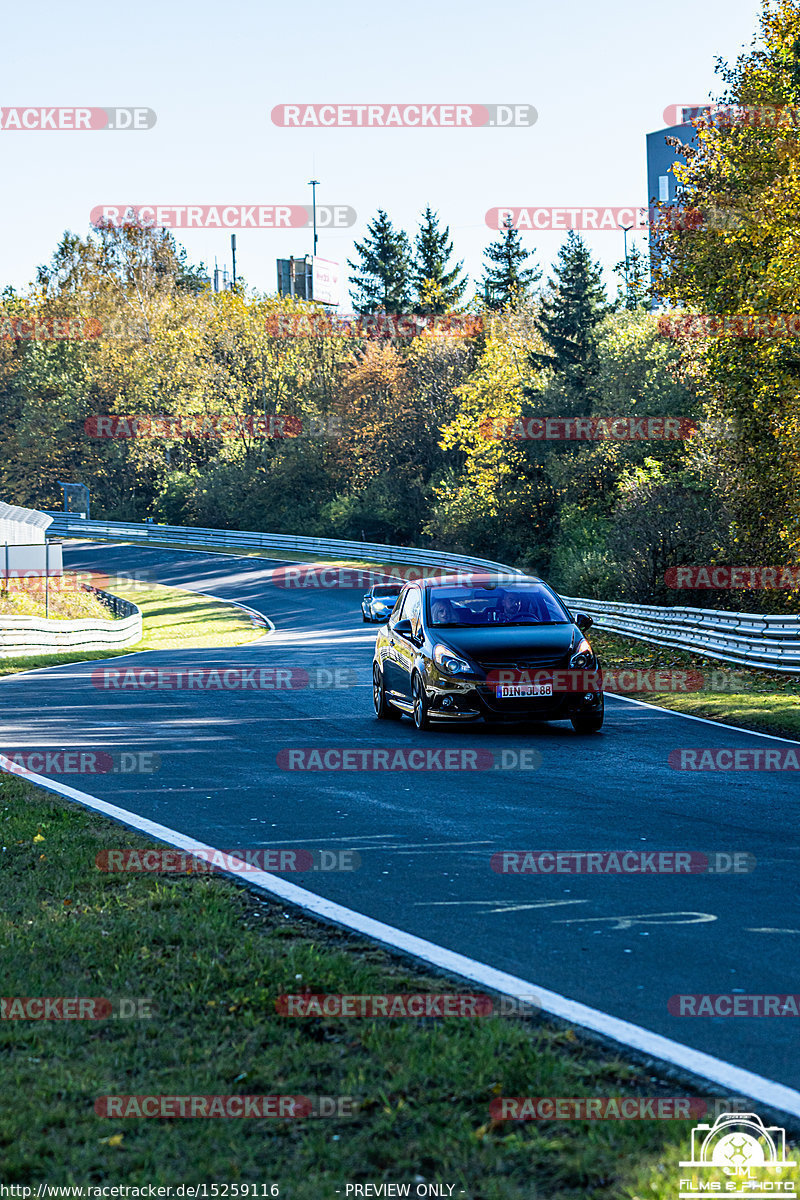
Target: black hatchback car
[{"x": 504, "y": 652}]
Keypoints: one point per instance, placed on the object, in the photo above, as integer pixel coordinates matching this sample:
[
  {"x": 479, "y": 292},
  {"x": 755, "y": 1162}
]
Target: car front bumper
[{"x": 472, "y": 700}]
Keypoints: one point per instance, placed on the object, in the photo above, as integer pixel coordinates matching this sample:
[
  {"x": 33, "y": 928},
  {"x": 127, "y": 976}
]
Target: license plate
[{"x": 521, "y": 691}]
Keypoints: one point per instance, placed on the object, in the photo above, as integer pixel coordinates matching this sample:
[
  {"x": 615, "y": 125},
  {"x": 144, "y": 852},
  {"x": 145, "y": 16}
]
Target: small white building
[{"x": 23, "y": 542}]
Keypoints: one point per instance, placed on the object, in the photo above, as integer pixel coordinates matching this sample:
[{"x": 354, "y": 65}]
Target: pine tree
[
  {"x": 438, "y": 289},
  {"x": 505, "y": 279},
  {"x": 636, "y": 291},
  {"x": 381, "y": 280},
  {"x": 569, "y": 316}
]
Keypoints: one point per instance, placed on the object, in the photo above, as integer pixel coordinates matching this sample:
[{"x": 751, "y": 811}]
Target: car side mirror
[
  {"x": 583, "y": 621},
  {"x": 403, "y": 629}
]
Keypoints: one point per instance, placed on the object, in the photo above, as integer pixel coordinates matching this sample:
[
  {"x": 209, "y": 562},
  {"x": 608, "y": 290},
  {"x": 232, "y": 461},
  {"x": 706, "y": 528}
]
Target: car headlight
[
  {"x": 450, "y": 662},
  {"x": 583, "y": 656}
]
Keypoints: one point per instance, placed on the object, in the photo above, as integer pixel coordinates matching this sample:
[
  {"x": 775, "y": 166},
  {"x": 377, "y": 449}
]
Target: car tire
[
  {"x": 420, "y": 699},
  {"x": 364, "y": 617},
  {"x": 384, "y": 711}
]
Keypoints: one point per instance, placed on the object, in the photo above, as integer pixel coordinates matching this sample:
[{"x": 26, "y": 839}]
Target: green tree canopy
[
  {"x": 740, "y": 254},
  {"x": 382, "y": 277},
  {"x": 506, "y": 279},
  {"x": 568, "y": 320},
  {"x": 438, "y": 289}
]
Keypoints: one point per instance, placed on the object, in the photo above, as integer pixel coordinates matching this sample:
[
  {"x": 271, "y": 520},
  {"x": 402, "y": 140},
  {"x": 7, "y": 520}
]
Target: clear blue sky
[{"x": 600, "y": 76}]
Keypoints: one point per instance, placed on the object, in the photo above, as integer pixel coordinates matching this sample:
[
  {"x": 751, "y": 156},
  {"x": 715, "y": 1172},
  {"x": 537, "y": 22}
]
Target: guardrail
[
  {"x": 749, "y": 639},
  {"x": 20, "y": 637},
  {"x": 66, "y": 525}
]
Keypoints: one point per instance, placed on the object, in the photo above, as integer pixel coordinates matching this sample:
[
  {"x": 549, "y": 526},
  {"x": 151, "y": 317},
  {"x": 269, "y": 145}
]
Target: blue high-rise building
[{"x": 662, "y": 185}]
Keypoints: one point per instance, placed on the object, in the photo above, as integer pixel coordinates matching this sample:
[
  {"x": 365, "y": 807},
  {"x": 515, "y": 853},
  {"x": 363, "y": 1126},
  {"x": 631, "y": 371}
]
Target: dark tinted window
[
  {"x": 513, "y": 604},
  {"x": 413, "y": 609},
  {"x": 399, "y": 612}
]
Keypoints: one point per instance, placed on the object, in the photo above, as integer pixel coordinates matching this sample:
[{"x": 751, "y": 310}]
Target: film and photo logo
[{"x": 742, "y": 1148}]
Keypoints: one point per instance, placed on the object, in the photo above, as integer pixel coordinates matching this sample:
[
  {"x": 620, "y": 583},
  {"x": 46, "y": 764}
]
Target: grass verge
[
  {"x": 172, "y": 619},
  {"x": 765, "y": 701},
  {"x": 213, "y": 958}
]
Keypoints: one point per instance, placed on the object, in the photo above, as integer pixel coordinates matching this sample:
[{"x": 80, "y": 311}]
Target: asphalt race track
[{"x": 623, "y": 944}]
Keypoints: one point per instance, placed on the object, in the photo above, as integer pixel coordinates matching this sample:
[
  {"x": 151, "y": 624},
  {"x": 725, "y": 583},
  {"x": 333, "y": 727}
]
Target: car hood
[{"x": 507, "y": 643}]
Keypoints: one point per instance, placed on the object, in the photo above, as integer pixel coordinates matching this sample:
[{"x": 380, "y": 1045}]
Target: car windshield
[
  {"x": 388, "y": 593},
  {"x": 520, "y": 604}
]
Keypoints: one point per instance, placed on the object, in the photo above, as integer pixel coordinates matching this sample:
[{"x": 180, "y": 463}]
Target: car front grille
[{"x": 526, "y": 664}]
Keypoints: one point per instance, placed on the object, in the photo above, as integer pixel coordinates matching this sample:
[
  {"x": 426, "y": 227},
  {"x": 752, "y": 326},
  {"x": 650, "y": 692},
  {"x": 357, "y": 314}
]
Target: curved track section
[{"x": 425, "y": 837}]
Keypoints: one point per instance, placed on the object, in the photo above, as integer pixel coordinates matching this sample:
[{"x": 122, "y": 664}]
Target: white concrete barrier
[{"x": 20, "y": 637}]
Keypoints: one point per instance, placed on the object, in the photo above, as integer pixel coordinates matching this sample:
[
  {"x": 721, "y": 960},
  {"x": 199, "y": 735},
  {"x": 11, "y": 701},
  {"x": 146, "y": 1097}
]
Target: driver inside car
[
  {"x": 510, "y": 608},
  {"x": 442, "y": 612},
  {"x": 515, "y": 607}
]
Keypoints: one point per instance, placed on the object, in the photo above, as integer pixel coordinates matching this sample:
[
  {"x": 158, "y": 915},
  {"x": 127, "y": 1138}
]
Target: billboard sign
[{"x": 326, "y": 281}]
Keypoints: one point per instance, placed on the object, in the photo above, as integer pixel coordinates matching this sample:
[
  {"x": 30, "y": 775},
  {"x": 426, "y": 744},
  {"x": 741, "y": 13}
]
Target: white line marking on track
[
  {"x": 315, "y": 841},
  {"x": 505, "y": 905},
  {"x": 768, "y": 929},
  {"x": 692, "y": 918},
  {"x": 707, "y": 721}
]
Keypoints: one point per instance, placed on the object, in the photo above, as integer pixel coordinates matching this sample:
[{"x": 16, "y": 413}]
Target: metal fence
[
  {"x": 119, "y": 607},
  {"x": 752, "y": 640},
  {"x": 749, "y": 639},
  {"x": 66, "y": 525}
]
